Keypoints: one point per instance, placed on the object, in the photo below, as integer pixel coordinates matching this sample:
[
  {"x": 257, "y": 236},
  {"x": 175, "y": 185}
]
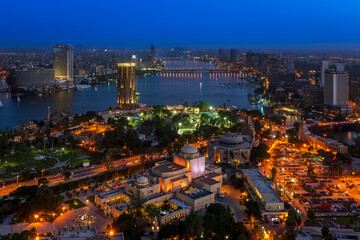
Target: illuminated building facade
[
  {"x": 63, "y": 62},
  {"x": 126, "y": 84},
  {"x": 336, "y": 88}
]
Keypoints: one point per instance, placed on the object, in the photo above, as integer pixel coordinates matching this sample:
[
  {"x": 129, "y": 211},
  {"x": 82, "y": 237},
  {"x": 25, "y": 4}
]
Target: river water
[{"x": 163, "y": 89}]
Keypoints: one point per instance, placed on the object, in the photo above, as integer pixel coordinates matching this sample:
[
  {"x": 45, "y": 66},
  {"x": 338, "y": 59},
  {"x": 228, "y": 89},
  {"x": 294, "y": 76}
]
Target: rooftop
[
  {"x": 262, "y": 185},
  {"x": 195, "y": 193},
  {"x": 168, "y": 167}
]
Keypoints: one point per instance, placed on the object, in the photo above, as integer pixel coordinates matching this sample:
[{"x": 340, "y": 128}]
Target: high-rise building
[
  {"x": 152, "y": 52},
  {"x": 336, "y": 87},
  {"x": 354, "y": 89},
  {"x": 63, "y": 62},
  {"x": 324, "y": 66},
  {"x": 233, "y": 55},
  {"x": 222, "y": 56},
  {"x": 126, "y": 83}
]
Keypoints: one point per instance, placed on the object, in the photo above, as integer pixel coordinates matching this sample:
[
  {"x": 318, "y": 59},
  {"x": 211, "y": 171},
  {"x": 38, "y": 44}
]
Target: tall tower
[
  {"x": 336, "y": 88},
  {"x": 233, "y": 55},
  {"x": 126, "y": 83},
  {"x": 152, "y": 52},
  {"x": 324, "y": 66},
  {"x": 222, "y": 56},
  {"x": 48, "y": 114},
  {"x": 63, "y": 62}
]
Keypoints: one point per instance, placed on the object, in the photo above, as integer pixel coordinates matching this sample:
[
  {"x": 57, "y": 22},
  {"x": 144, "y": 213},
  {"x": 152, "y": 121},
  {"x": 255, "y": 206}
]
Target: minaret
[
  {"x": 155, "y": 228},
  {"x": 48, "y": 112}
]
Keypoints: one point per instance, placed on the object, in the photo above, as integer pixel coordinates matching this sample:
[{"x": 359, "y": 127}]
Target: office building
[
  {"x": 312, "y": 95},
  {"x": 222, "y": 56},
  {"x": 63, "y": 62},
  {"x": 126, "y": 84},
  {"x": 233, "y": 55},
  {"x": 34, "y": 79},
  {"x": 354, "y": 89},
  {"x": 336, "y": 88},
  {"x": 152, "y": 52},
  {"x": 324, "y": 67}
]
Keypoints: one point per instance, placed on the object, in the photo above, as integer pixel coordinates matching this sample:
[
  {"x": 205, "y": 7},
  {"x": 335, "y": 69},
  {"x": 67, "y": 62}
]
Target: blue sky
[{"x": 192, "y": 23}]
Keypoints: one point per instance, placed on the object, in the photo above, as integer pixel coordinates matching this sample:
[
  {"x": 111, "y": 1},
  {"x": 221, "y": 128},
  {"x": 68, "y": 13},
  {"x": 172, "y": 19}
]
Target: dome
[
  {"x": 188, "y": 149},
  {"x": 142, "y": 180},
  {"x": 231, "y": 138}
]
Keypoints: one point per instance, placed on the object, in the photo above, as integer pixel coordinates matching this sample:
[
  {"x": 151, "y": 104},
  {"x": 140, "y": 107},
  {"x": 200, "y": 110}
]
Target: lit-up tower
[
  {"x": 63, "y": 62},
  {"x": 126, "y": 83}
]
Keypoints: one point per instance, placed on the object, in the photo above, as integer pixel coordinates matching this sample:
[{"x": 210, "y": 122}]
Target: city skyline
[{"x": 258, "y": 24}]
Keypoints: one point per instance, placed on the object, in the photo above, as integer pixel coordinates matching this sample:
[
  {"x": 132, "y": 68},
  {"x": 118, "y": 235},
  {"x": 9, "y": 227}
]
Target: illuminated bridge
[{"x": 210, "y": 70}]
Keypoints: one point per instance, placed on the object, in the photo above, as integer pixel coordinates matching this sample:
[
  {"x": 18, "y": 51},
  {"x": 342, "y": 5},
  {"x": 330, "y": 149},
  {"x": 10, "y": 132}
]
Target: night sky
[{"x": 192, "y": 23}]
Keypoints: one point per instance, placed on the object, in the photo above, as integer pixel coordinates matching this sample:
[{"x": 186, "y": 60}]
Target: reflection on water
[
  {"x": 347, "y": 137},
  {"x": 163, "y": 88}
]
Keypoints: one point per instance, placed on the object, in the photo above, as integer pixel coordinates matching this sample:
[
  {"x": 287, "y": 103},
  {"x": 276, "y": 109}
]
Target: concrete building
[
  {"x": 152, "y": 52},
  {"x": 324, "y": 67},
  {"x": 312, "y": 95},
  {"x": 231, "y": 149},
  {"x": 196, "y": 197},
  {"x": 190, "y": 158},
  {"x": 63, "y": 62},
  {"x": 233, "y": 55},
  {"x": 260, "y": 189},
  {"x": 168, "y": 181},
  {"x": 328, "y": 144},
  {"x": 336, "y": 88},
  {"x": 126, "y": 84},
  {"x": 222, "y": 56},
  {"x": 354, "y": 90},
  {"x": 34, "y": 79}
]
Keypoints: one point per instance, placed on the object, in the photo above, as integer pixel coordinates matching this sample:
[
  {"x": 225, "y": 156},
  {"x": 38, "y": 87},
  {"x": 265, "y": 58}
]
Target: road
[
  {"x": 77, "y": 174},
  {"x": 82, "y": 172}
]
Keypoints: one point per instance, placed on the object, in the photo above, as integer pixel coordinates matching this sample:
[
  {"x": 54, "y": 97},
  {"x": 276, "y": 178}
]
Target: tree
[
  {"x": 325, "y": 232},
  {"x": 293, "y": 220},
  {"x": 42, "y": 181},
  {"x": 67, "y": 175},
  {"x": 152, "y": 210},
  {"x": 217, "y": 213},
  {"x": 126, "y": 223},
  {"x": 137, "y": 204},
  {"x": 193, "y": 225},
  {"x": 311, "y": 217},
  {"x": 167, "y": 230},
  {"x": 259, "y": 153},
  {"x": 252, "y": 209}
]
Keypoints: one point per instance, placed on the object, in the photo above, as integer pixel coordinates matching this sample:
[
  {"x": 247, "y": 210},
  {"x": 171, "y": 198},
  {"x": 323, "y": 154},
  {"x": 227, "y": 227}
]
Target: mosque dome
[
  {"x": 188, "y": 149},
  {"x": 142, "y": 180},
  {"x": 231, "y": 139}
]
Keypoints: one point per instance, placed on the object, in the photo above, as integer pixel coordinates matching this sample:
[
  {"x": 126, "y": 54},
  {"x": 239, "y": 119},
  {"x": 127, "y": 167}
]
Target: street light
[{"x": 36, "y": 217}]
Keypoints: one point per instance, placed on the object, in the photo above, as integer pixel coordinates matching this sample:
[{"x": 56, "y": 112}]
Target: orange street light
[{"x": 111, "y": 233}]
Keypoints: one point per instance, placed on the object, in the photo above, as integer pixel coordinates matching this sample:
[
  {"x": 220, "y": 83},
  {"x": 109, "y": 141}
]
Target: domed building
[
  {"x": 190, "y": 158},
  {"x": 232, "y": 148}
]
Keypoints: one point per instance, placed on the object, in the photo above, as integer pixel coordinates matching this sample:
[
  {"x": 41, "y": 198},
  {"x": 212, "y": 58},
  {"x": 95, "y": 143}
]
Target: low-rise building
[
  {"x": 231, "y": 149},
  {"x": 196, "y": 197},
  {"x": 260, "y": 189}
]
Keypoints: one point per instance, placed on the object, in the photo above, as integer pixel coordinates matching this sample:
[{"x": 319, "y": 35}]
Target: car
[{"x": 221, "y": 195}]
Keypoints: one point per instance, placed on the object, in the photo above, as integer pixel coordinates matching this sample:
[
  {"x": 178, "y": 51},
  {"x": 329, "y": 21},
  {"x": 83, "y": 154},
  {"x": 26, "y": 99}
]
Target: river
[{"x": 163, "y": 89}]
